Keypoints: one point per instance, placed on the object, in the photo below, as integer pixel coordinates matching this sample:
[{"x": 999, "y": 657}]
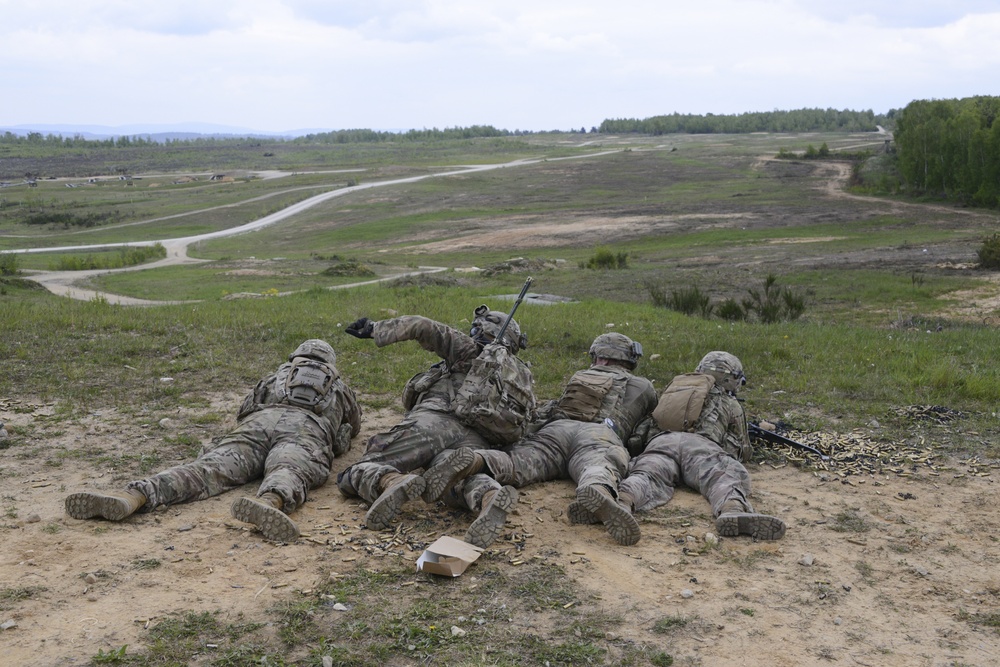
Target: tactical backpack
[
  {"x": 680, "y": 405},
  {"x": 592, "y": 394},
  {"x": 306, "y": 384},
  {"x": 417, "y": 385},
  {"x": 496, "y": 399}
]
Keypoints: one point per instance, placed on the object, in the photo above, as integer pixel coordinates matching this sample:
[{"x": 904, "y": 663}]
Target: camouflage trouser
[
  {"x": 411, "y": 444},
  {"x": 583, "y": 452},
  {"x": 284, "y": 446},
  {"x": 691, "y": 459}
]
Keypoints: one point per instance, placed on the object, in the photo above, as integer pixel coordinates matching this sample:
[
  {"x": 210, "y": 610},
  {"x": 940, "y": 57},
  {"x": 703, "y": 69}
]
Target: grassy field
[
  {"x": 686, "y": 211},
  {"x": 890, "y": 319}
]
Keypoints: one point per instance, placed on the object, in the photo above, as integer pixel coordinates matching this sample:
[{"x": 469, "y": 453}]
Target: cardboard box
[{"x": 448, "y": 557}]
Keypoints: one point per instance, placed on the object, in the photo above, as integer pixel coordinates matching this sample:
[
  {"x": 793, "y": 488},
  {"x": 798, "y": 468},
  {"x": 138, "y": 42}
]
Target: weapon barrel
[
  {"x": 510, "y": 316},
  {"x": 758, "y": 432}
]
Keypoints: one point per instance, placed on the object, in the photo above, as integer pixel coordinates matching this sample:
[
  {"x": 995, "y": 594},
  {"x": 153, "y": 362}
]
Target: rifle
[
  {"x": 770, "y": 436},
  {"x": 510, "y": 316}
]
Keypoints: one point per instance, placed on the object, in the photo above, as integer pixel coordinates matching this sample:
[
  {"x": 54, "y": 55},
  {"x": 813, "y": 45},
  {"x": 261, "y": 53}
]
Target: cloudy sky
[{"x": 279, "y": 65}]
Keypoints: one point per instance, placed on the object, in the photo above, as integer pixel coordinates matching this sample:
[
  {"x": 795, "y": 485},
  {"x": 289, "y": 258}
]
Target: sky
[{"x": 535, "y": 65}]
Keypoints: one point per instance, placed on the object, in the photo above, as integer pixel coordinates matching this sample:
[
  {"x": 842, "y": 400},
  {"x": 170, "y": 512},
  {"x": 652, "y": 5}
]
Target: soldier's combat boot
[
  {"x": 265, "y": 513},
  {"x": 734, "y": 519},
  {"x": 455, "y": 465},
  {"x": 113, "y": 506},
  {"x": 397, "y": 489},
  {"x": 577, "y": 514},
  {"x": 492, "y": 517},
  {"x": 616, "y": 515}
]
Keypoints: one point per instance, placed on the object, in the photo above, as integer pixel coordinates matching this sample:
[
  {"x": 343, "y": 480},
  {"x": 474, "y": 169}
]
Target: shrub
[
  {"x": 605, "y": 258},
  {"x": 124, "y": 257},
  {"x": 768, "y": 304},
  {"x": 731, "y": 310},
  {"x": 8, "y": 264},
  {"x": 772, "y": 303},
  {"x": 350, "y": 267},
  {"x": 690, "y": 300},
  {"x": 989, "y": 252}
]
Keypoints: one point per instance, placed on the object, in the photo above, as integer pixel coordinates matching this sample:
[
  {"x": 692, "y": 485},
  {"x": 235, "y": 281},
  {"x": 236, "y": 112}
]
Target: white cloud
[{"x": 517, "y": 64}]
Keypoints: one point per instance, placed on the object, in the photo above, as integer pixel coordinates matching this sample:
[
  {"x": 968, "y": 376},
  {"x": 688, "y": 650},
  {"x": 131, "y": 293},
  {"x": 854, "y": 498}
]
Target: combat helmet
[
  {"x": 317, "y": 349},
  {"x": 486, "y": 325},
  {"x": 616, "y": 346},
  {"x": 725, "y": 368}
]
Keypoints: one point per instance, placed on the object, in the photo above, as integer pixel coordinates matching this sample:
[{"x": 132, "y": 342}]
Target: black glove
[{"x": 361, "y": 328}]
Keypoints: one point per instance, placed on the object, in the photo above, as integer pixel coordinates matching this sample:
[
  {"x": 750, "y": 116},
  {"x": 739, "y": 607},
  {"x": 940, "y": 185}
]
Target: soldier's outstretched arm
[{"x": 446, "y": 342}]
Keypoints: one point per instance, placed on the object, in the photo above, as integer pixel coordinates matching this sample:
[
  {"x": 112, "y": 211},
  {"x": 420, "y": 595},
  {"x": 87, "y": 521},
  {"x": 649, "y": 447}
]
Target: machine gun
[{"x": 770, "y": 436}]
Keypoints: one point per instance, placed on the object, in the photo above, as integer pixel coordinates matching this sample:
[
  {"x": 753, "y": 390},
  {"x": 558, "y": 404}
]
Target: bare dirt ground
[{"x": 876, "y": 569}]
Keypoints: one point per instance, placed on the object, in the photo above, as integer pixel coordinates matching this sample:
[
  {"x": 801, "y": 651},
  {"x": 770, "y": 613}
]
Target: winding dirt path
[{"x": 63, "y": 283}]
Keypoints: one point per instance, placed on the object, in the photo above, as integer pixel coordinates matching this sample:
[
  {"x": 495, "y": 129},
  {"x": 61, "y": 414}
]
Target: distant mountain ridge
[{"x": 155, "y": 132}]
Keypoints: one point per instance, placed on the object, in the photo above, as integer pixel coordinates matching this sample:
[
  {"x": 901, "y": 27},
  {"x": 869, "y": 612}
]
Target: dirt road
[{"x": 63, "y": 282}]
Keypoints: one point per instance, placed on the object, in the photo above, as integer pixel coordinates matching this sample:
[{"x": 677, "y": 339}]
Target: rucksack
[
  {"x": 306, "y": 384},
  {"x": 680, "y": 405},
  {"x": 496, "y": 398},
  {"x": 592, "y": 394},
  {"x": 417, "y": 385}
]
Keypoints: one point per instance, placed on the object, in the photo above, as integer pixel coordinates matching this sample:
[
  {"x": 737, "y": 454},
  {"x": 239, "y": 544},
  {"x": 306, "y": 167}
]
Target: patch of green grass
[
  {"x": 866, "y": 571},
  {"x": 178, "y": 639},
  {"x": 669, "y": 624},
  {"x": 747, "y": 559},
  {"x": 987, "y": 619},
  {"x": 849, "y": 521},
  {"x": 10, "y": 596},
  {"x": 146, "y": 563},
  {"x": 111, "y": 657}
]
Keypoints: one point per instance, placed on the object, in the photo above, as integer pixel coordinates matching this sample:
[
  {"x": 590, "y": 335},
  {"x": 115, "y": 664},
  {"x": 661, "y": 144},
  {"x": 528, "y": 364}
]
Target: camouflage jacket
[
  {"x": 344, "y": 409},
  {"x": 637, "y": 403},
  {"x": 457, "y": 349},
  {"x": 722, "y": 421}
]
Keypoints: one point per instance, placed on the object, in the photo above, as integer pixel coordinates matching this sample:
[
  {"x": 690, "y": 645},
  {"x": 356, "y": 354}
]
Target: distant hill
[{"x": 154, "y": 132}]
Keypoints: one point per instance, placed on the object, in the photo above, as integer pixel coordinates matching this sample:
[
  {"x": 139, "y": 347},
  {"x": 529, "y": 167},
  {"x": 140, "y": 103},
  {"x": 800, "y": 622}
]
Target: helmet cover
[
  {"x": 486, "y": 325},
  {"x": 616, "y": 346},
  {"x": 725, "y": 368},
  {"x": 317, "y": 349}
]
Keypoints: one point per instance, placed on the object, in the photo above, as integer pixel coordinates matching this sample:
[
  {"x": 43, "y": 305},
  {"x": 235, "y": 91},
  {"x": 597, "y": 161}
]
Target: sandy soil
[{"x": 874, "y": 570}]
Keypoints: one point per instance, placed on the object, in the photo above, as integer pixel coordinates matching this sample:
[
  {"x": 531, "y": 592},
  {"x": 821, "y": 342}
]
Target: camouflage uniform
[
  {"x": 707, "y": 460},
  {"x": 588, "y": 453},
  {"x": 430, "y": 426},
  {"x": 290, "y": 447}
]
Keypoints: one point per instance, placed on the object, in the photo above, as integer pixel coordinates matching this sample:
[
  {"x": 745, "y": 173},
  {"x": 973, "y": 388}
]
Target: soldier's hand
[
  {"x": 639, "y": 438},
  {"x": 342, "y": 441},
  {"x": 361, "y": 328}
]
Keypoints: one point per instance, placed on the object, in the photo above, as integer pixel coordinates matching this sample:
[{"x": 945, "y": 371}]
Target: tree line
[
  {"x": 798, "y": 120},
  {"x": 951, "y": 148}
]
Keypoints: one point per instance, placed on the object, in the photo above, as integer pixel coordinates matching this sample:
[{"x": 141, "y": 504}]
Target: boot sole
[
  {"x": 487, "y": 528},
  {"x": 577, "y": 514},
  {"x": 90, "y": 505},
  {"x": 273, "y": 524},
  {"x": 384, "y": 511},
  {"x": 440, "y": 478},
  {"x": 618, "y": 521},
  {"x": 757, "y": 526}
]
